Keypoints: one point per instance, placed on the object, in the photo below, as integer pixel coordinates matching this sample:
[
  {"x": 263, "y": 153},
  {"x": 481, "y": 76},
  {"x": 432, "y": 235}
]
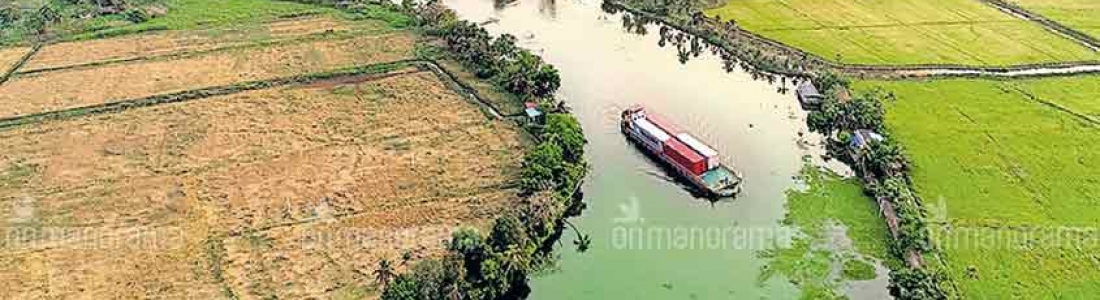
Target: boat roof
[
  {"x": 684, "y": 151},
  {"x": 694, "y": 143},
  {"x": 662, "y": 123},
  {"x": 652, "y": 130}
]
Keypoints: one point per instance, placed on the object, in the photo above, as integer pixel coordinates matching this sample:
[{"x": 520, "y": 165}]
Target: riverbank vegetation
[
  {"x": 1009, "y": 165},
  {"x": 841, "y": 237},
  {"x": 909, "y": 32},
  {"x": 496, "y": 265},
  {"x": 883, "y": 166}
]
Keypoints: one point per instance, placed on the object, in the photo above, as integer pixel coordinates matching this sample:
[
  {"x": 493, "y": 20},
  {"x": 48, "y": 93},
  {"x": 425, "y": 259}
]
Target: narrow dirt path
[
  {"x": 1070, "y": 33},
  {"x": 19, "y": 64}
]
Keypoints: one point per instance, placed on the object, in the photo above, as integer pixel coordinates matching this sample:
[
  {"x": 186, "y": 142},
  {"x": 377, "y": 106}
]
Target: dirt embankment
[
  {"x": 293, "y": 192},
  {"x": 10, "y": 56},
  {"x": 81, "y": 87}
]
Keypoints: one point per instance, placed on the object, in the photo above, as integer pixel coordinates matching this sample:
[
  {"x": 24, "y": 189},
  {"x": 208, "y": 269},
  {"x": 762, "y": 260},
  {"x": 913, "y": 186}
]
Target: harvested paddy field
[
  {"x": 80, "y": 87},
  {"x": 904, "y": 32},
  {"x": 293, "y": 192},
  {"x": 1081, "y": 15},
  {"x": 1008, "y": 171},
  {"x": 176, "y": 42}
]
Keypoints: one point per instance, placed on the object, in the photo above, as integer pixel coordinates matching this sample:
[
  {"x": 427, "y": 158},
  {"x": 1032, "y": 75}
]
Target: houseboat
[{"x": 685, "y": 156}]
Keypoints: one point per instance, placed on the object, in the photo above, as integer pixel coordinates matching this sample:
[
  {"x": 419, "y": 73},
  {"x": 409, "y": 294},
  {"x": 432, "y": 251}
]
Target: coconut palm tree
[
  {"x": 583, "y": 241},
  {"x": 384, "y": 273},
  {"x": 513, "y": 260}
]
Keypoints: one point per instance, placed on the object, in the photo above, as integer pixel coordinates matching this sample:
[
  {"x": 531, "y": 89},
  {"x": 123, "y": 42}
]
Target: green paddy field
[
  {"x": 1008, "y": 171},
  {"x": 1081, "y": 15},
  {"x": 906, "y": 32}
]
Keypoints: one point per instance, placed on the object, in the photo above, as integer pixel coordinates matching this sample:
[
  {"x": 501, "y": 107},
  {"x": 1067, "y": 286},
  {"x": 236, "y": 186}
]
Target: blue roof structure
[
  {"x": 533, "y": 112},
  {"x": 863, "y": 137}
]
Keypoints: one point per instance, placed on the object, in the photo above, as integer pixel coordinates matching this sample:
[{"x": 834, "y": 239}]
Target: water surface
[{"x": 757, "y": 129}]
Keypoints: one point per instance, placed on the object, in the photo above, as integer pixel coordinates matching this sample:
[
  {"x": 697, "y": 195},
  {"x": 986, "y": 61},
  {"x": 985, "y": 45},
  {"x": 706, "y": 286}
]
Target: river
[{"x": 651, "y": 238}]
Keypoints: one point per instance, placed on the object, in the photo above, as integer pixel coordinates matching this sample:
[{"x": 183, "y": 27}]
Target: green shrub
[
  {"x": 566, "y": 131},
  {"x": 914, "y": 284}
]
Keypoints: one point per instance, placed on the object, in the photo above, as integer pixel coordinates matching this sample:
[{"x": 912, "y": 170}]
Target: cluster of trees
[
  {"x": 885, "y": 167},
  {"x": 20, "y": 21},
  {"x": 475, "y": 267},
  {"x": 496, "y": 265},
  {"x": 515, "y": 69},
  {"x": 664, "y": 7},
  {"x": 558, "y": 161},
  {"x": 33, "y": 21}
]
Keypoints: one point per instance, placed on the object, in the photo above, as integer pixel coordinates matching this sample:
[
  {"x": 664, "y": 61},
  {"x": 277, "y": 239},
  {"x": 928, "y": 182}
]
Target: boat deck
[{"x": 719, "y": 178}]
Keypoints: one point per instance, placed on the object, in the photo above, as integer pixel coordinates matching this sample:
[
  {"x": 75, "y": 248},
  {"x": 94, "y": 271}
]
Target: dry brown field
[
  {"x": 80, "y": 87},
  {"x": 175, "y": 42},
  {"x": 293, "y": 192}
]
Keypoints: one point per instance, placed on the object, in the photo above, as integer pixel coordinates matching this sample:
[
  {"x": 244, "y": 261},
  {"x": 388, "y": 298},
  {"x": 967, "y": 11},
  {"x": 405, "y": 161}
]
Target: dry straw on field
[
  {"x": 293, "y": 192},
  {"x": 82, "y": 87},
  {"x": 175, "y": 42}
]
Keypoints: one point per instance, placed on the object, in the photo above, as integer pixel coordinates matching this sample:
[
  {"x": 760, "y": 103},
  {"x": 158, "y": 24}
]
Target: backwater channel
[{"x": 651, "y": 239}]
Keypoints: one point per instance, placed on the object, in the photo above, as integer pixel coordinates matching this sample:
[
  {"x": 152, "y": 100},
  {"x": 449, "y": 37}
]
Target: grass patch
[
  {"x": 858, "y": 270},
  {"x": 816, "y": 262},
  {"x": 191, "y": 14},
  {"x": 17, "y": 175},
  {"x": 187, "y": 14},
  {"x": 832, "y": 199},
  {"x": 1003, "y": 163},
  {"x": 377, "y": 12},
  {"x": 903, "y": 32}
]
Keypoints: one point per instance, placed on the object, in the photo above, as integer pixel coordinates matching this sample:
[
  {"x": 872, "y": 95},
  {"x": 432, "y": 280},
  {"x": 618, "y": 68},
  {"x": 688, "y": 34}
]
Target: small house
[
  {"x": 863, "y": 138},
  {"x": 808, "y": 95},
  {"x": 531, "y": 109}
]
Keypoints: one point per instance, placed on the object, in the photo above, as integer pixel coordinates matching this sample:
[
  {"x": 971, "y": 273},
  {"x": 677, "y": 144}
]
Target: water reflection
[
  {"x": 502, "y": 4},
  {"x": 689, "y": 46},
  {"x": 546, "y": 8},
  {"x": 549, "y": 8}
]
